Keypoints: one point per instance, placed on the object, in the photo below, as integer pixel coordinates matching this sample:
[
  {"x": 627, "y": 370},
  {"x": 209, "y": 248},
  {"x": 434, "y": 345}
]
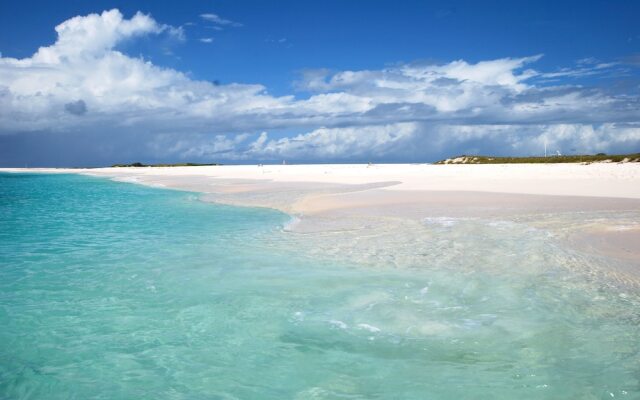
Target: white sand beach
[{"x": 594, "y": 208}]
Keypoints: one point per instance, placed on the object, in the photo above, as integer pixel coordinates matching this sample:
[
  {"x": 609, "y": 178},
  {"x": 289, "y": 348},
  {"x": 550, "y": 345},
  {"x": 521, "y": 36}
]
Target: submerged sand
[{"x": 593, "y": 208}]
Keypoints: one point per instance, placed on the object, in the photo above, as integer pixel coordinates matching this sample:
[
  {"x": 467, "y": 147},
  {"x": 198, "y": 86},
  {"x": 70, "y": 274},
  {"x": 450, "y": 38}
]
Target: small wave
[
  {"x": 338, "y": 324},
  {"x": 620, "y": 228},
  {"x": 127, "y": 179},
  {"x": 134, "y": 179},
  {"x": 370, "y": 328},
  {"x": 298, "y": 316},
  {"x": 291, "y": 224},
  {"x": 445, "y": 222},
  {"x": 501, "y": 224}
]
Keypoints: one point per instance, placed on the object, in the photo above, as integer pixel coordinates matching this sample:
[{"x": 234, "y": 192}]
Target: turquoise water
[{"x": 117, "y": 291}]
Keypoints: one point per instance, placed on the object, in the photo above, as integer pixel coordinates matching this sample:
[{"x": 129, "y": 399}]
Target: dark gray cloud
[{"x": 78, "y": 107}]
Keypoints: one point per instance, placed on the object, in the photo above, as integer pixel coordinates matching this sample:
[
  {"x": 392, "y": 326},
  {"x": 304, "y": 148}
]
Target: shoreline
[
  {"x": 590, "y": 180},
  {"x": 326, "y": 198}
]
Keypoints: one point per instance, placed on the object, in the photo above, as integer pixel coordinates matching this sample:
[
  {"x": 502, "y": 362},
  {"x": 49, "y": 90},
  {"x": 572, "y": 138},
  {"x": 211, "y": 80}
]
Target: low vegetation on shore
[
  {"x": 586, "y": 158},
  {"x": 137, "y": 164}
]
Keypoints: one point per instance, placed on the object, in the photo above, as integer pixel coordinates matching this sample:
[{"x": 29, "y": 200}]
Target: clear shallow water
[{"x": 117, "y": 291}]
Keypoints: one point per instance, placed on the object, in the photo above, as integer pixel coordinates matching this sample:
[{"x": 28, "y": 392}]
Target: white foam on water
[
  {"x": 338, "y": 324},
  {"x": 500, "y": 224},
  {"x": 370, "y": 328},
  {"x": 369, "y": 300},
  {"x": 429, "y": 328},
  {"x": 127, "y": 179},
  {"x": 446, "y": 222},
  {"x": 291, "y": 224},
  {"x": 620, "y": 228}
]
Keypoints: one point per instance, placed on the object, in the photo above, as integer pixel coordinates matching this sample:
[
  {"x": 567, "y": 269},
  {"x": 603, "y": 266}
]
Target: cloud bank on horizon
[{"x": 83, "y": 84}]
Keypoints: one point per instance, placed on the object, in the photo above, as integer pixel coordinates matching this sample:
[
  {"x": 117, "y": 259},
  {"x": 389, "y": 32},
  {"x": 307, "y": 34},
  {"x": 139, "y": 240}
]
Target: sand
[{"x": 330, "y": 197}]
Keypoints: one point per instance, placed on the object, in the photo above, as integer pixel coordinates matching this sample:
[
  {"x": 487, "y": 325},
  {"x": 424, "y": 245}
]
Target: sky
[{"x": 93, "y": 83}]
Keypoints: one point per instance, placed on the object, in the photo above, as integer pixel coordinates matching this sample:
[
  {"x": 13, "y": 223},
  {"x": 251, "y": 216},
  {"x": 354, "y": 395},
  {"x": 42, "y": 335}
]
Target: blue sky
[{"x": 331, "y": 81}]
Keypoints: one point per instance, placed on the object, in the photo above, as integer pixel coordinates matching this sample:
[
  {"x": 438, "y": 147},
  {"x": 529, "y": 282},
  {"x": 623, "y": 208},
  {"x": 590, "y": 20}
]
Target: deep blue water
[{"x": 117, "y": 291}]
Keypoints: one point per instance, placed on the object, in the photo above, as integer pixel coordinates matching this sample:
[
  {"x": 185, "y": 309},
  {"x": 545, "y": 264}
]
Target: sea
[{"x": 113, "y": 290}]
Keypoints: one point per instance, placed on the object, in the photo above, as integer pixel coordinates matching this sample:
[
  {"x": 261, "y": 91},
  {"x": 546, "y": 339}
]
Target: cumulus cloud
[
  {"x": 407, "y": 141},
  {"x": 123, "y": 91},
  {"x": 407, "y": 112},
  {"x": 335, "y": 143}
]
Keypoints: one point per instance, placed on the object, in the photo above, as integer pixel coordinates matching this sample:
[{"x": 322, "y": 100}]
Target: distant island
[
  {"x": 137, "y": 164},
  {"x": 585, "y": 158}
]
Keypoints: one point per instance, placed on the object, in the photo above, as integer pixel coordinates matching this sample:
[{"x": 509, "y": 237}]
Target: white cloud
[
  {"x": 83, "y": 83},
  {"x": 206, "y": 40},
  {"x": 321, "y": 143},
  {"x": 336, "y": 143},
  {"x": 83, "y": 64},
  {"x": 411, "y": 141},
  {"x": 93, "y": 34},
  {"x": 217, "y": 20}
]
